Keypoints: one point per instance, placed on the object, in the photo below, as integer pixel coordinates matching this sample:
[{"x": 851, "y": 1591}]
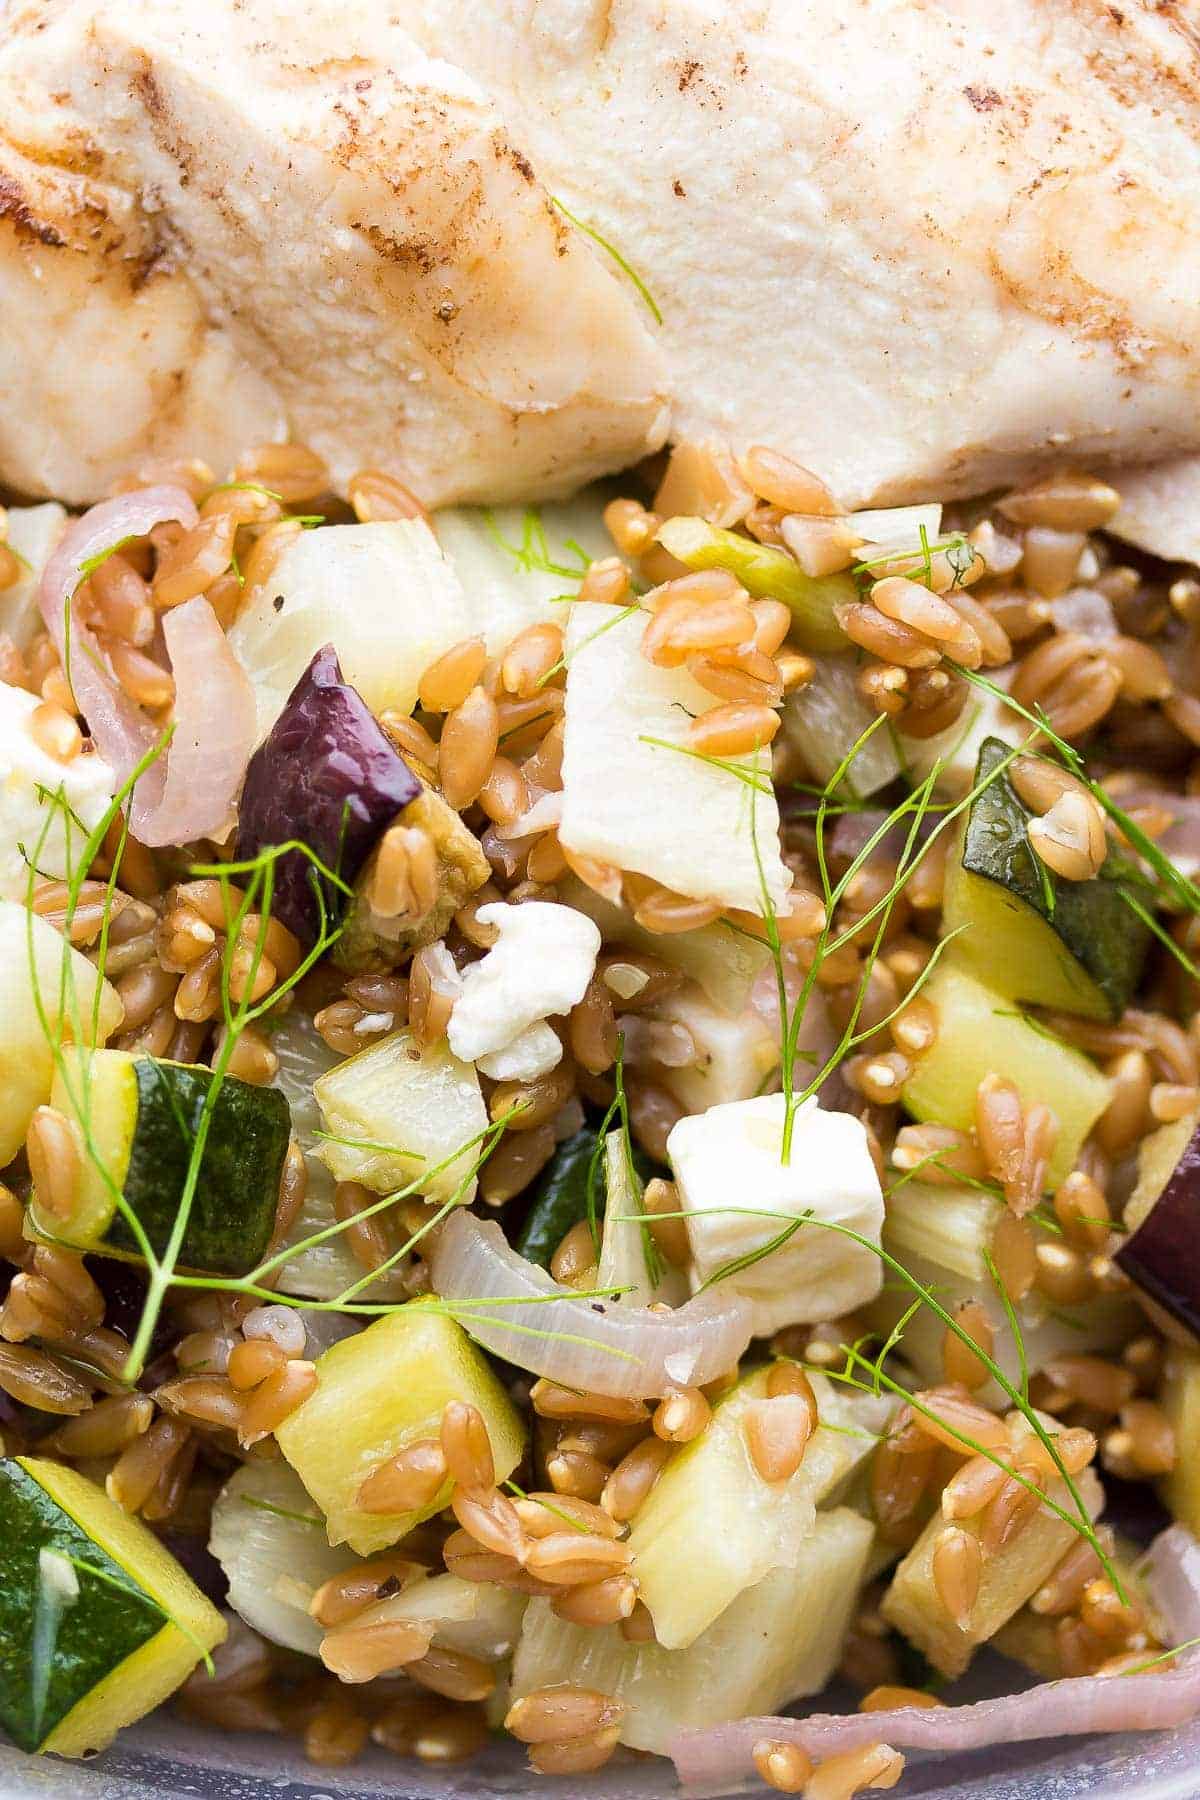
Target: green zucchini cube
[{"x": 98, "y": 1623}]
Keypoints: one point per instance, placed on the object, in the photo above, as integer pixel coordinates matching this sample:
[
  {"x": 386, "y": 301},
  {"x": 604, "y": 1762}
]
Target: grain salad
[{"x": 600, "y": 1122}]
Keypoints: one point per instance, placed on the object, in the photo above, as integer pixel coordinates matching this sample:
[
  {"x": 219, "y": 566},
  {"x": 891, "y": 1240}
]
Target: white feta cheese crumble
[
  {"x": 729, "y": 1158},
  {"x": 539, "y": 967},
  {"x": 34, "y": 829},
  {"x": 533, "y": 1052}
]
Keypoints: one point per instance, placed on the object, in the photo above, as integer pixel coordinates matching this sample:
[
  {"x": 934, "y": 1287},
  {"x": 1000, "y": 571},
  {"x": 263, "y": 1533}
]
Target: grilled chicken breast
[
  {"x": 927, "y": 246},
  {"x": 373, "y": 260}
]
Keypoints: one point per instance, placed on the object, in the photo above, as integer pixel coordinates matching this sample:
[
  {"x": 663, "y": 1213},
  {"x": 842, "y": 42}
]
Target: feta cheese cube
[
  {"x": 728, "y": 1158},
  {"x": 539, "y": 967},
  {"x": 533, "y": 1052},
  {"x": 34, "y": 828}
]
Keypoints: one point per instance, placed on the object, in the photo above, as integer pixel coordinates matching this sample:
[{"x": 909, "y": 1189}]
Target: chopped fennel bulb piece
[
  {"x": 40, "y": 970},
  {"x": 735, "y": 1053},
  {"x": 623, "y": 1262},
  {"x": 956, "y": 750},
  {"x": 395, "y": 1111},
  {"x": 383, "y": 595},
  {"x": 47, "y": 807},
  {"x": 533, "y": 1052},
  {"x": 33, "y": 532},
  {"x": 268, "y": 1535},
  {"x": 779, "y": 1640},
  {"x": 722, "y": 961},
  {"x": 681, "y": 819},
  {"x": 825, "y": 719},
  {"x": 943, "y": 1237},
  {"x": 711, "y": 1499},
  {"x": 538, "y": 967},
  {"x": 497, "y": 554},
  {"x": 475, "y": 1618},
  {"x": 729, "y": 1158},
  {"x": 322, "y": 1271},
  {"x": 891, "y": 525}
]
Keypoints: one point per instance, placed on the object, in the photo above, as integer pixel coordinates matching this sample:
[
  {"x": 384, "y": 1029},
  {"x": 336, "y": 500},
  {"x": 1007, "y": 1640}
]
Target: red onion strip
[
  {"x": 213, "y": 699},
  {"x": 1155, "y": 1700},
  {"x": 472, "y": 1262}
]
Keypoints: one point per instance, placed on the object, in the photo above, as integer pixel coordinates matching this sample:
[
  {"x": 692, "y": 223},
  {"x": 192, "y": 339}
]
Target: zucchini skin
[
  {"x": 1093, "y": 922},
  {"x": 560, "y": 1200},
  {"x": 110, "y": 1620},
  {"x": 233, "y": 1209}
]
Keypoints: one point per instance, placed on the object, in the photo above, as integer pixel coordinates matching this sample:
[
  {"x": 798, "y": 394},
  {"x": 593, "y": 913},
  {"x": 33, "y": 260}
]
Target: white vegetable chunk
[
  {"x": 778, "y": 1640},
  {"x": 33, "y": 532},
  {"x": 729, "y": 1158},
  {"x": 539, "y": 967},
  {"x": 396, "y": 1112},
  {"x": 657, "y": 811},
  {"x": 40, "y": 970},
  {"x": 898, "y": 524},
  {"x": 269, "y": 1537},
  {"x": 503, "y": 557},
  {"x": 735, "y": 1052},
  {"x": 36, "y": 831},
  {"x": 383, "y": 595}
]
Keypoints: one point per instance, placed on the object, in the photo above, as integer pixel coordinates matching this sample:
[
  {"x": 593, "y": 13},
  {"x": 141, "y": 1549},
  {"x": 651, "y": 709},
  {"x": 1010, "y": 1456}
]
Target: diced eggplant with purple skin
[
  {"x": 329, "y": 776},
  {"x": 1162, "y": 1252}
]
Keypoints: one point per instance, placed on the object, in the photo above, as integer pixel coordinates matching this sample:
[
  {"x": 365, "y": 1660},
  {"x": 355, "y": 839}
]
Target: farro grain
[
  {"x": 1007, "y": 1515},
  {"x": 885, "y": 1699},
  {"x": 34, "y": 1379},
  {"x": 842, "y": 1776},
  {"x": 795, "y": 669},
  {"x": 530, "y": 658},
  {"x": 1127, "y": 1115},
  {"x": 357, "y": 1653},
  {"x": 542, "y": 1515},
  {"x": 581, "y": 1756},
  {"x": 960, "y": 1365},
  {"x": 653, "y": 1113},
  {"x": 1068, "y": 500},
  {"x": 1062, "y": 1276},
  {"x": 251, "y": 1362},
  {"x": 973, "y": 1488},
  {"x": 406, "y": 1482},
  {"x": 910, "y": 603},
  {"x": 606, "y": 581},
  {"x": 1090, "y": 1381},
  {"x": 1014, "y": 1254},
  {"x": 491, "y": 1519},
  {"x": 782, "y": 482},
  {"x": 681, "y": 1416},
  {"x": 634, "y": 1477},
  {"x": 733, "y": 730},
  {"x": 669, "y": 1234},
  {"x": 1069, "y": 838},
  {"x": 433, "y": 988},
  {"x": 941, "y": 1154},
  {"x": 55, "y": 1160},
  {"x": 550, "y": 1401},
  {"x": 1152, "y": 1440},
  {"x": 1050, "y": 559},
  {"x": 137, "y": 1471},
  {"x": 377, "y": 495},
  {"x": 468, "y": 745},
  {"x": 784, "y": 1767},
  {"x": 504, "y": 796},
  {"x": 690, "y": 623},
  {"x": 610, "y": 1601},
  {"x": 777, "y": 1431},
  {"x": 410, "y": 738},
  {"x": 557, "y": 1715},
  {"x": 953, "y": 1417},
  {"x": 659, "y": 910},
  {"x": 466, "y": 1446},
  {"x": 576, "y": 1474},
  {"x": 901, "y": 1470},
  {"x": 885, "y": 638},
  {"x": 520, "y": 1158},
  {"x": 936, "y": 699},
  {"x": 744, "y": 676},
  {"x": 999, "y": 1124},
  {"x": 336, "y": 1734},
  {"x": 956, "y": 1568},
  {"x": 630, "y": 526},
  {"x": 275, "y": 1399},
  {"x": 292, "y": 471},
  {"x": 194, "y": 561},
  {"x": 574, "y": 1261},
  {"x": 344, "y": 1596}
]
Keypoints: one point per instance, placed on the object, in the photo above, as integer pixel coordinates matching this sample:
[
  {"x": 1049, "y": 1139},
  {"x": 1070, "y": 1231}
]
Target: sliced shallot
[{"x": 591, "y": 1345}]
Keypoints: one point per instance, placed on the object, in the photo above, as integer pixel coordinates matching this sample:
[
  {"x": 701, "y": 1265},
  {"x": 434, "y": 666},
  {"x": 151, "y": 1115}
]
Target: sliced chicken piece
[
  {"x": 107, "y": 357},
  {"x": 1160, "y": 509},
  {"x": 352, "y": 223},
  {"x": 929, "y": 246}
]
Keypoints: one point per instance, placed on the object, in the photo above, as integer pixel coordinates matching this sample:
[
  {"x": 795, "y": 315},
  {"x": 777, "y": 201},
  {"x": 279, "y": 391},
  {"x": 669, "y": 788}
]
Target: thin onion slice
[
  {"x": 213, "y": 699},
  {"x": 572, "y": 1340},
  {"x": 1155, "y": 1700}
]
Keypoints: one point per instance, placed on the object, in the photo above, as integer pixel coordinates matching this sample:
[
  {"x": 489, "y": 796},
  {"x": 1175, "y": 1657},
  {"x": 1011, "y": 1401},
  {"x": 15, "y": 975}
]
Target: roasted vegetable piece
[
  {"x": 371, "y": 939},
  {"x": 1074, "y": 945},
  {"x": 138, "y": 1118},
  {"x": 1008, "y": 1577},
  {"x": 329, "y": 776},
  {"x": 979, "y": 1033},
  {"x": 1162, "y": 1252},
  {"x": 98, "y": 1623},
  {"x": 767, "y": 572},
  {"x": 378, "y": 1392},
  {"x": 560, "y": 1197}
]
